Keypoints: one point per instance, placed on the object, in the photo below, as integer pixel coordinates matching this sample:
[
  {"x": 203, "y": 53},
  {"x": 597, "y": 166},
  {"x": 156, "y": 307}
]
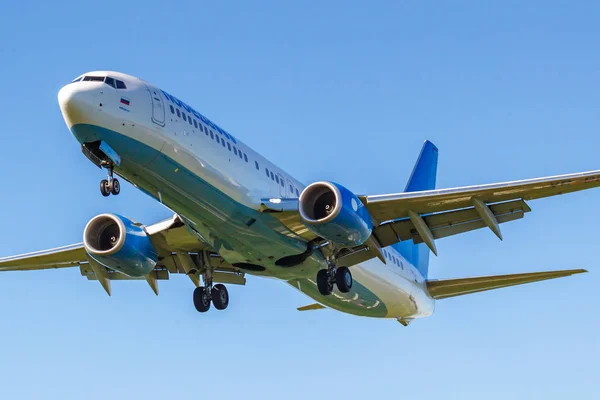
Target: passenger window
[
  {"x": 234, "y": 150},
  {"x": 297, "y": 193},
  {"x": 272, "y": 176},
  {"x": 178, "y": 113},
  {"x": 267, "y": 171},
  {"x": 184, "y": 117},
  {"x": 223, "y": 142},
  {"x": 256, "y": 164},
  {"x": 109, "y": 81},
  {"x": 201, "y": 130},
  {"x": 190, "y": 120},
  {"x": 211, "y": 135},
  {"x": 228, "y": 146},
  {"x": 240, "y": 154},
  {"x": 291, "y": 189},
  {"x": 172, "y": 110},
  {"x": 121, "y": 85},
  {"x": 245, "y": 157},
  {"x": 195, "y": 124},
  {"x": 277, "y": 178}
]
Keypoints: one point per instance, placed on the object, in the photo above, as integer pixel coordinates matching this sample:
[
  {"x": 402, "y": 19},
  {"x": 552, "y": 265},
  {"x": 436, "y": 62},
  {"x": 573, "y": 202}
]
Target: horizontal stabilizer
[
  {"x": 311, "y": 307},
  {"x": 458, "y": 287}
]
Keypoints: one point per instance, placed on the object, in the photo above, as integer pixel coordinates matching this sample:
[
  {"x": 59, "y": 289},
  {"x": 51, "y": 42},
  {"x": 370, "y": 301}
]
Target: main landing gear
[
  {"x": 111, "y": 185},
  {"x": 204, "y": 295},
  {"x": 338, "y": 276}
]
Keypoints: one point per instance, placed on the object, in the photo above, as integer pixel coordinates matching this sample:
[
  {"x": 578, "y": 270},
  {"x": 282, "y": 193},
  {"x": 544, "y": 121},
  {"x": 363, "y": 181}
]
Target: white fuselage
[{"x": 154, "y": 119}]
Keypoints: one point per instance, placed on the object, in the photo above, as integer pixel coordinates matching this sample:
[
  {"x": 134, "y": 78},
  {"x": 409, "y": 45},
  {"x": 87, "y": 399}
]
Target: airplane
[{"x": 236, "y": 213}]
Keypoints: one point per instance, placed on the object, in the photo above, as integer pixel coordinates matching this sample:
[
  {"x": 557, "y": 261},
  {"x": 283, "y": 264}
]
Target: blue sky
[{"x": 327, "y": 90}]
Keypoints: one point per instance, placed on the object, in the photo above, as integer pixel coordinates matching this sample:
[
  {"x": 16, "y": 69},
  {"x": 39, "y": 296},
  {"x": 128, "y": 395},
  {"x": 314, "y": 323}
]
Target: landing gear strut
[
  {"x": 111, "y": 185},
  {"x": 204, "y": 295},
  {"x": 338, "y": 276}
]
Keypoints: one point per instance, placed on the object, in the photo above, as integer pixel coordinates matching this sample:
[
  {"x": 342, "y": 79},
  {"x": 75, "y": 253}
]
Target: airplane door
[
  {"x": 281, "y": 186},
  {"x": 158, "y": 107}
]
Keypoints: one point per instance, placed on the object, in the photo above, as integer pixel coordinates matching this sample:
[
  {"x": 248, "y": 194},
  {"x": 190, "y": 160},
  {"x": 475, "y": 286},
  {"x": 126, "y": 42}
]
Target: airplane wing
[
  {"x": 62, "y": 257},
  {"x": 396, "y": 206},
  {"x": 180, "y": 252},
  {"x": 441, "y": 289},
  {"x": 425, "y": 216}
]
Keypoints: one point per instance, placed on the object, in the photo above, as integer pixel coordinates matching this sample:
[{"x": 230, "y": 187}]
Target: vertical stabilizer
[
  {"x": 424, "y": 173},
  {"x": 423, "y": 177}
]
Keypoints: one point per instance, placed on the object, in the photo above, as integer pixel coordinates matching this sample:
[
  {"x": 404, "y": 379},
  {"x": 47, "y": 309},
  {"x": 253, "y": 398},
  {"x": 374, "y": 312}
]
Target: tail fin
[{"x": 423, "y": 177}]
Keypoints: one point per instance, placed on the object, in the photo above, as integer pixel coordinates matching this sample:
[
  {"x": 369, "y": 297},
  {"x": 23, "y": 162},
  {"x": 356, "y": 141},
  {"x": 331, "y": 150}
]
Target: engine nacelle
[
  {"x": 335, "y": 213},
  {"x": 120, "y": 244}
]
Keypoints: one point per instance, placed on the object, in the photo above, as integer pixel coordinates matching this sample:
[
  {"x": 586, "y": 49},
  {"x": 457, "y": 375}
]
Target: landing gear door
[{"x": 158, "y": 106}]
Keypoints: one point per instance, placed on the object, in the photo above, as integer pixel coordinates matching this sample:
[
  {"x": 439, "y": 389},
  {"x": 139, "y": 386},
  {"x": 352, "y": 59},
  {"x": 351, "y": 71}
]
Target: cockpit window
[
  {"x": 110, "y": 81},
  {"x": 93, "y": 79}
]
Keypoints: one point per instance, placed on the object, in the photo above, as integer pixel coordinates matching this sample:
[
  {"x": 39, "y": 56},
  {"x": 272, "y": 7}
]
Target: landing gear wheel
[
  {"x": 343, "y": 279},
  {"x": 220, "y": 296},
  {"x": 115, "y": 187},
  {"x": 324, "y": 283},
  {"x": 202, "y": 299},
  {"x": 105, "y": 188}
]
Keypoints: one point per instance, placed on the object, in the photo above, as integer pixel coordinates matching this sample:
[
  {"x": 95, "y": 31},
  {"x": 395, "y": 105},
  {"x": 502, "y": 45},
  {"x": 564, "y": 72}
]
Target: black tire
[
  {"x": 115, "y": 187},
  {"x": 324, "y": 283},
  {"x": 105, "y": 188},
  {"x": 202, "y": 299},
  {"x": 220, "y": 296},
  {"x": 343, "y": 279}
]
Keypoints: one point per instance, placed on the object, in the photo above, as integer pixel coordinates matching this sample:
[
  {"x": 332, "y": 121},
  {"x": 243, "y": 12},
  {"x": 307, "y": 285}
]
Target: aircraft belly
[
  {"x": 241, "y": 234},
  {"x": 238, "y": 233},
  {"x": 125, "y": 146}
]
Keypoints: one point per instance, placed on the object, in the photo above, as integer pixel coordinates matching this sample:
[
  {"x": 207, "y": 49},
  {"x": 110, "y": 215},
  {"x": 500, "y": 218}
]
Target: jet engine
[
  {"x": 333, "y": 212},
  {"x": 120, "y": 244}
]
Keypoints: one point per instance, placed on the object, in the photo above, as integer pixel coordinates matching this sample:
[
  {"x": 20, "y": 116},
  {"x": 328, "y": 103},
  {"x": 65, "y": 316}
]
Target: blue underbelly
[{"x": 238, "y": 233}]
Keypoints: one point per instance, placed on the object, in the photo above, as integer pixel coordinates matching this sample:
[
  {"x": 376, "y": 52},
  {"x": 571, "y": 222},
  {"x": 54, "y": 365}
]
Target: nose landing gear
[{"x": 111, "y": 185}]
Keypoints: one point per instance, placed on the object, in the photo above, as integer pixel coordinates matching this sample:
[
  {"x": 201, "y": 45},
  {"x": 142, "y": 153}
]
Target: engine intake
[
  {"x": 335, "y": 213},
  {"x": 104, "y": 235},
  {"x": 120, "y": 244}
]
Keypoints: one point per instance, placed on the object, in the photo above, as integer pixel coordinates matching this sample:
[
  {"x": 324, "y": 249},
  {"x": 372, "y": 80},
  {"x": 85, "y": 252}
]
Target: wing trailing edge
[{"x": 458, "y": 287}]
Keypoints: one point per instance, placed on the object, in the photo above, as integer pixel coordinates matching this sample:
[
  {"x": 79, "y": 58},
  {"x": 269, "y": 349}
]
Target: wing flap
[
  {"x": 458, "y": 287},
  {"x": 449, "y": 223}
]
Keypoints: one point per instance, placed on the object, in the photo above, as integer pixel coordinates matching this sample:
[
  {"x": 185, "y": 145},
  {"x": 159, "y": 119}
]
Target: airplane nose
[
  {"x": 67, "y": 97},
  {"x": 72, "y": 104}
]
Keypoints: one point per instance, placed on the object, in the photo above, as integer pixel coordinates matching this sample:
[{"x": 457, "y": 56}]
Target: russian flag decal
[{"x": 124, "y": 101}]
